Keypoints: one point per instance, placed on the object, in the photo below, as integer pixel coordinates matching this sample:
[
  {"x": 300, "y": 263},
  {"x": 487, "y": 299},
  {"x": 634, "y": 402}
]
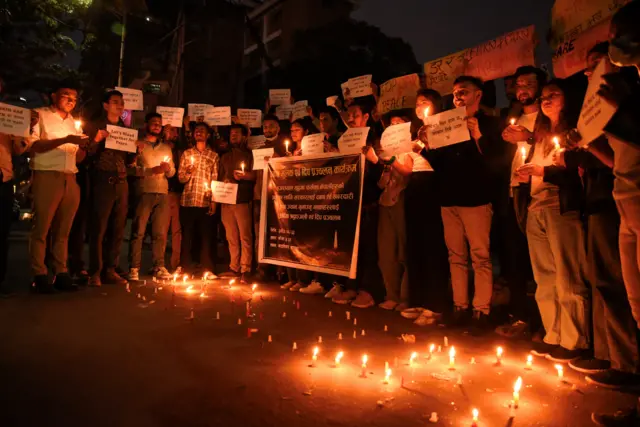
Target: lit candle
[
  {"x": 556, "y": 143},
  {"x": 560, "y": 370},
  {"x": 475, "y": 414},
  {"x": 286, "y": 145},
  {"x": 184, "y": 278},
  {"x": 431, "y": 348},
  {"x": 516, "y": 392},
  {"x": 452, "y": 358},
  {"x": 387, "y": 375},
  {"x": 203, "y": 295},
  {"x": 166, "y": 159},
  {"x": 192, "y": 161},
  {"x": 338, "y": 358},
  {"x": 365, "y": 358},
  {"x": 189, "y": 289},
  {"x": 78, "y": 124},
  {"x": 529, "y": 362},
  {"x": 254, "y": 287},
  {"x": 175, "y": 277},
  {"x": 232, "y": 281},
  {"x": 314, "y": 358},
  {"x": 426, "y": 112},
  {"x": 523, "y": 154},
  {"x": 512, "y": 122},
  {"x": 412, "y": 359},
  {"x": 242, "y": 166},
  {"x": 499, "y": 356}
]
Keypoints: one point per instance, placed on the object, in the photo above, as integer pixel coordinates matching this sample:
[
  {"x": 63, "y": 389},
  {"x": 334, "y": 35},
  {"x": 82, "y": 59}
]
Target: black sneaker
[
  {"x": 562, "y": 355},
  {"x": 480, "y": 323},
  {"x": 459, "y": 318},
  {"x": 41, "y": 285},
  {"x": 63, "y": 283},
  {"x": 542, "y": 349},
  {"x": 614, "y": 379},
  {"x": 589, "y": 365},
  {"x": 628, "y": 418}
]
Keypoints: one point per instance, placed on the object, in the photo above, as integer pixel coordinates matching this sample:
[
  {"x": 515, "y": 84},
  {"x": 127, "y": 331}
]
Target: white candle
[
  {"x": 452, "y": 358},
  {"x": 254, "y": 287},
  {"x": 286, "y": 145},
  {"x": 387, "y": 375},
  {"x": 242, "y": 166},
  {"x": 412, "y": 359},
  {"x": 560, "y": 370},
  {"x": 556, "y": 143},
  {"x": 192, "y": 161},
  {"x": 516, "y": 392},
  {"x": 512, "y": 122},
  {"x": 523, "y": 154},
  {"x": 475, "y": 414},
  {"x": 529, "y": 362},
  {"x": 78, "y": 124},
  {"x": 338, "y": 358},
  {"x": 499, "y": 352},
  {"x": 431, "y": 348},
  {"x": 365, "y": 358},
  {"x": 314, "y": 358}
]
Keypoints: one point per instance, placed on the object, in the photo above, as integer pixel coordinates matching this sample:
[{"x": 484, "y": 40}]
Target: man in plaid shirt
[{"x": 198, "y": 167}]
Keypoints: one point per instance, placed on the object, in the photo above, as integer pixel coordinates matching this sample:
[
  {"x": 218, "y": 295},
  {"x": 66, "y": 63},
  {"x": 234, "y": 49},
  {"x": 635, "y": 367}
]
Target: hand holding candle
[{"x": 556, "y": 143}]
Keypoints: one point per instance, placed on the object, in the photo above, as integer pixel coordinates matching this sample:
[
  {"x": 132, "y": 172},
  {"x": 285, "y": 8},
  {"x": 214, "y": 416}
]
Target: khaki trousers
[
  {"x": 472, "y": 226},
  {"x": 56, "y": 197},
  {"x": 630, "y": 251},
  {"x": 238, "y": 226}
]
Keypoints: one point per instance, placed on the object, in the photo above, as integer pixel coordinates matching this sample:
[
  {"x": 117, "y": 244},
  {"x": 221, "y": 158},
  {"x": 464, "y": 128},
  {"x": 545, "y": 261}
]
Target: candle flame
[
  {"x": 232, "y": 281},
  {"x": 523, "y": 152},
  {"x": 499, "y": 352},
  {"x": 315, "y": 351},
  {"x": 190, "y": 289},
  {"x": 339, "y": 357},
  {"x": 560, "y": 370},
  {"x": 475, "y": 413},
  {"x": 431, "y": 348},
  {"x": 426, "y": 112},
  {"x": 203, "y": 295},
  {"x": 518, "y": 385},
  {"x": 556, "y": 142},
  {"x": 452, "y": 352},
  {"x": 184, "y": 278},
  {"x": 529, "y": 359},
  {"x": 388, "y": 374},
  {"x": 512, "y": 121},
  {"x": 254, "y": 287},
  {"x": 413, "y": 357},
  {"x": 365, "y": 359},
  {"x": 175, "y": 277}
]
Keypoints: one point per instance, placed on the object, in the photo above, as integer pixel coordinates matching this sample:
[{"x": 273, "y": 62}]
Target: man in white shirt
[{"x": 56, "y": 144}]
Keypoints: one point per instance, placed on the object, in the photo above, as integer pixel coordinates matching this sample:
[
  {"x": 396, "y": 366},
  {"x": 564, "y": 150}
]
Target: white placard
[
  {"x": 219, "y": 116},
  {"x": 313, "y": 144},
  {"x": 226, "y": 193},
  {"x": 396, "y": 139},
  {"x": 352, "y": 141},
  {"x": 357, "y": 86},
  {"x": 331, "y": 101},
  {"x": 251, "y": 118},
  {"x": 121, "y": 139},
  {"x": 255, "y": 142},
  {"x": 448, "y": 128},
  {"x": 284, "y": 111},
  {"x": 258, "y": 157},
  {"x": 195, "y": 111},
  {"x": 300, "y": 110},
  {"x": 133, "y": 98},
  {"x": 596, "y": 112},
  {"x": 15, "y": 121},
  {"x": 280, "y": 96},
  {"x": 171, "y": 116}
]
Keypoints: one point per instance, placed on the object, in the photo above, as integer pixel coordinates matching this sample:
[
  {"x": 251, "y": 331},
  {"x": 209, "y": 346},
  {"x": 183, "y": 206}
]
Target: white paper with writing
[
  {"x": 121, "y": 139},
  {"x": 258, "y": 157},
  {"x": 284, "y": 111},
  {"x": 251, "y": 118},
  {"x": 595, "y": 113},
  {"x": 196, "y": 111},
  {"x": 331, "y": 101},
  {"x": 352, "y": 141},
  {"x": 171, "y": 116},
  {"x": 219, "y": 116},
  {"x": 15, "y": 120},
  {"x": 357, "y": 86},
  {"x": 300, "y": 110},
  {"x": 280, "y": 96},
  {"x": 313, "y": 144},
  {"x": 396, "y": 139},
  {"x": 226, "y": 193},
  {"x": 133, "y": 99},
  {"x": 257, "y": 141},
  {"x": 448, "y": 128}
]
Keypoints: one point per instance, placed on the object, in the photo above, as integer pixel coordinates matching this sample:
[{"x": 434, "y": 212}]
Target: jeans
[
  {"x": 156, "y": 207},
  {"x": 109, "y": 215}
]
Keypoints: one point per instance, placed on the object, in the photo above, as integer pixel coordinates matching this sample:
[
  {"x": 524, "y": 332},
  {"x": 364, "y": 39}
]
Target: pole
[{"x": 122, "y": 41}]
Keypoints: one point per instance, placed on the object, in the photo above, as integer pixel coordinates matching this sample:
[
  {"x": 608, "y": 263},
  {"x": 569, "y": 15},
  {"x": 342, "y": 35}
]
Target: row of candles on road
[{"x": 190, "y": 289}]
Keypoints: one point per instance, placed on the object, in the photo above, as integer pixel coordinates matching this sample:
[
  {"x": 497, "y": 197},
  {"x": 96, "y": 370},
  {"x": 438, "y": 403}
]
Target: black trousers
[
  {"x": 109, "y": 216},
  {"x": 196, "y": 222},
  {"x": 6, "y": 217}
]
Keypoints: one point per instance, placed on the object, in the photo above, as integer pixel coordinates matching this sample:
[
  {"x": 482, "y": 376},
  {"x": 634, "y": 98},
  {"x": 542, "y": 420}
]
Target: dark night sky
[{"x": 435, "y": 28}]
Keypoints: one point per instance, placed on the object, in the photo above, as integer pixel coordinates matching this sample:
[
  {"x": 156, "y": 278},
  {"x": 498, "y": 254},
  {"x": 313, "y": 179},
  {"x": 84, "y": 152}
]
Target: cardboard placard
[
  {"x": 197, "y": 111},
  {"x": 398, "y": 93},
  {"x": 300, "y": 110},
  {"x": 226, "y": 193},
  {"x": 219, "y": 116},
  {"x": 596, "y": 112},
  {"x": 258, "y": 157},
  {"x": 121, "y": 139}
]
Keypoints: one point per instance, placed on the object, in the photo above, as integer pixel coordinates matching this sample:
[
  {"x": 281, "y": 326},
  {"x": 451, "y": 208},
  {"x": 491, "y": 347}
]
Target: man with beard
[
  {"x": 154, "y": 166},
  {"x": 515, "y": 261}
]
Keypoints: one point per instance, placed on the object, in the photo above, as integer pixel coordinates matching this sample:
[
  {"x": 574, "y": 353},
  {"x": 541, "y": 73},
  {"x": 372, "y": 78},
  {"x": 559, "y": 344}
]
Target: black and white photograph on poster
[{"x": 311, "y": 213}]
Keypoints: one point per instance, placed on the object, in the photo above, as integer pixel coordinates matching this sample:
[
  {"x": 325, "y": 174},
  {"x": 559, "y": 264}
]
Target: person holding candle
[
  {"x": 154, "y": 165},
  {"x": 57, "y": 147},
  {"x": 198, "y": 167},
  {"x": 556, "y": 237},
  {"x": 237, "y": 218}
]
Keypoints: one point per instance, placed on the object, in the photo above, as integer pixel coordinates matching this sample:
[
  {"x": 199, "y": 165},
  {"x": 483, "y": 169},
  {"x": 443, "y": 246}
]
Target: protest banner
[
  {"x": 357, "y": 87},
  {"x": 310, "y": 214},
  {"x": 491, "y": 60},
  {"x": 224, "y": 192},
  {"x": 398, "y": 93},
  {"x": 577, "y": 26},
  {"x": 284, "y": 112},
  {"x": 279, "y": 97},
  {"x": 396, "y": 139},
  {"x": 198, "y": 111},
  {"x": 15, "y": 121},
  {"x": 331, "y": 100},
  {"x": 171, "y": 116},
  {"x": 133, "y": 98},
  {"x": 447, "y": 128},
  {"x": 219, "y": 116},
  {"x": 251, "y": 118},
  {"x": 121, "y": 139},
  {"x": 352, "y": 141},
  {"x": 313, "y": 144},
  {"x": 254, "y": 142},
  {"x": 596, "y": 112},
  {"x": 259, "y": 155},
  {"x": 300, "y": 110}
]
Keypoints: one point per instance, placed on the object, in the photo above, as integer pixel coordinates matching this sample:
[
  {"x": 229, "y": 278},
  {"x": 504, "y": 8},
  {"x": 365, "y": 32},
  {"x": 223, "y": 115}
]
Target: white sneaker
[
  {"x": 314, "y": 288},
  {"x": 388, "y": 305},
  {"x": 334, "y": 292},
  {"x": 345, "y": 297},
  {"x": 162, "y": 273},
  {"x": 412, "y": 313},
  {"x": 425, "y": 320},
  {"x": 134, "y": 274},
  {"x": 363, "y": 300},
  {"x": 287, "y": 285},
  {"x": 296, "y": 287}
]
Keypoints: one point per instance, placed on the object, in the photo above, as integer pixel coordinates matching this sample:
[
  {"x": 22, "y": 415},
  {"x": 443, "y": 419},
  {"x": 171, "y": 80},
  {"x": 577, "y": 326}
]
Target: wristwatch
[{"x": 390, "y": 161}]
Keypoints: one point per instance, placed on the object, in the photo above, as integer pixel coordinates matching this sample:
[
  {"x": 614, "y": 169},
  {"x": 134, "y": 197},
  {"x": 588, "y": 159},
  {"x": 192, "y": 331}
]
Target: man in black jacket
[{"x": 465, "y": 185}]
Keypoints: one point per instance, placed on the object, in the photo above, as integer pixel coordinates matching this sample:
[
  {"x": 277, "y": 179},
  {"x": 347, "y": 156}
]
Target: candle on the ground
[
  {"x": 314, "y": 358},
  {"x": 232, "y": 281},
  {"x": 330, "y": 314},
  {"x": 387, "y": 375},
  {"x": 452, "y": 358},
  {"x": 320, "y": 340},
  {"x": 412, "y": 359},
  {"x": 338, "y": 358},
  {"x": 560, "y": 370},
  {"x": 175, "y": 277},
  {"x": 184, "y": 278},
  {"x": 254, "y": 287},
  {"x": 295, "y": 346},
  {"x": 446, "y": 342},
  {"x": 339, "y": 336},
  {"x": 499, "y": 352},
  {"x": 365, "y": 358},
  {"x": 475, "y": 414},
  {"x": 529, "y": 362},
  {"x": 217, "y": 315},
  {"x": 431, "y": 348},
  {"x": 516, "y": 392}
]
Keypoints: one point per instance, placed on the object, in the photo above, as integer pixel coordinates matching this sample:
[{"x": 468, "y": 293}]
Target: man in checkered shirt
[{"x": 198, "y": 167}]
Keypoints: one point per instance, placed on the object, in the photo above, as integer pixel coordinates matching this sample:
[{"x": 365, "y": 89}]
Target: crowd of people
[{"x": 522, "y": 193}]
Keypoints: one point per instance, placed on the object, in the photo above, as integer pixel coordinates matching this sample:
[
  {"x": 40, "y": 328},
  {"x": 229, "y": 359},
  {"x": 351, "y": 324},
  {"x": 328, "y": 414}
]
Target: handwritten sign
[
  {"x": 396, "y": 139},
  {"x": 448, "y": 128},
  {"x": 283, "y": 112},
  {"x": 280, "y": 96},
  {"x": 133, "y": 99},
  {"x": 258, "y": 157},
  {"x": 331, "y": 100},
  {"x": 226, "y": 193},
  {"x": 570, "y": 56},
  {"x": 357, "y": 86},
  {"x": 251, "y": 118},
  {"x": 398, "y": 93},
  {"x": 257, "y": 141},
  {"x": 219, "y": 116},
  {"x": 352, "y": 141},
  {"x": 121, "y": 139},
  {"x": 15, "y": 121},
  {"x": 595, "y": 113},
  {"x": 171, "y": 116},
  {"x": 313, "y": 144},
  {"x": 300, "y": 110},
  {"x": 491, "y": 60},
  {"x": 198, "y": 111}
]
